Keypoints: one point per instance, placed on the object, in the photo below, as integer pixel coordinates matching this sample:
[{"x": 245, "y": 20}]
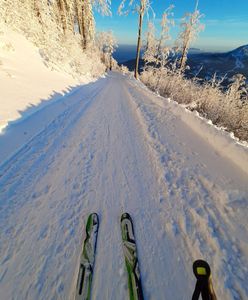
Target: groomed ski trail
[{"x": 112, "y": 151}]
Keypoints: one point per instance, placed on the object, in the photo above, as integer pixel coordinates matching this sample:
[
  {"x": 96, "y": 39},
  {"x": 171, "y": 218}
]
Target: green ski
[
  {"x": 87, "y": 259},
  {"x": 131, "y": 258}
]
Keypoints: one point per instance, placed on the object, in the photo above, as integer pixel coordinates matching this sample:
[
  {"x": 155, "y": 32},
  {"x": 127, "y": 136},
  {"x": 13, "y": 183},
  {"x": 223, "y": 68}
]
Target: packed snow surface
[{"x": 111, "y": 147}]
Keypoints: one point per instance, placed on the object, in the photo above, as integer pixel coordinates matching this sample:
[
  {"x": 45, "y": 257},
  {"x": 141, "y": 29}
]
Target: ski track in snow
[{"x": 113, "y": 151}]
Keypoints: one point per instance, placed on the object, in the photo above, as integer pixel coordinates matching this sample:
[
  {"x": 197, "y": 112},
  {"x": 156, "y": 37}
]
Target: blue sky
[{"x": 226, "y": 22}]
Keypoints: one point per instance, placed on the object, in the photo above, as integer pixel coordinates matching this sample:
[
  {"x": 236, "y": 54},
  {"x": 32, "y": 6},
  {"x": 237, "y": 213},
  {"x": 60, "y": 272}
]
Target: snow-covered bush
[
  {"x": 226, "y": 108},
  {"x": 124, "y": 69}
]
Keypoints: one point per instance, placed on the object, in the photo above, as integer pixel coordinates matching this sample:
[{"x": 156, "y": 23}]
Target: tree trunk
[
  {"x": 110, "y": 63},
  {"x": 184, "y": 57},
  {"x": 136, "y": 71},
  {"x": 87, "y": 23},
  {"x": 83, "y": 28},
  {"x": 62, "y": 12},
  {"x": 78, "y": 12},
  {"x": 37, "y": 11},
  {"x": 186, "y": 45}
]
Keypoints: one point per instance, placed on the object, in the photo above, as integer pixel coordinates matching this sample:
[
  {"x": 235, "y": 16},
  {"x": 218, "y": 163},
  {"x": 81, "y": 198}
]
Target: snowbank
[
  {"x": 26, "y": 82},
  {"x": 224, "y": 143}
]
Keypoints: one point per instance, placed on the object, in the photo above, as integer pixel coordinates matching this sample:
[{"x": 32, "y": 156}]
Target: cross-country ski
[
  {"x": 86, "y": 268},
  {"x": 131, "y": 258}
]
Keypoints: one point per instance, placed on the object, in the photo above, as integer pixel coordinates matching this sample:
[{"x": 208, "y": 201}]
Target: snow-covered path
[{"x": 114, "y": 147}]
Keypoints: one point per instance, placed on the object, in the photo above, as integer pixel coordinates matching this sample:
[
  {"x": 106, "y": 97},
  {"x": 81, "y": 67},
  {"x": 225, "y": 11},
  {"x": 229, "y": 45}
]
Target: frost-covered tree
[
  {"x": 157, "y": 51},
  {"x": 139, "y": 6},
  {"x": 110, "y": 46},
  {"x": 102, "y": 6},
  {"x": 37, "y": 7},
  {"x": 226, "y": 107},
  {"x": 85, "y": 17},
  {"x": 191, "y": 27},
  {"x": 78, "y": 16},
  {"x": 56, "y": 35},
  {"x": 88, "y": 23},
  {"x": 238, "y": 87},
  {"x": 64, "y": 10},
  {"x": 163, "y": 47},
  {"x": 151, "y": 48},
  {"x": 124, "y": 69},
  {"x": 106, "y": 44}
]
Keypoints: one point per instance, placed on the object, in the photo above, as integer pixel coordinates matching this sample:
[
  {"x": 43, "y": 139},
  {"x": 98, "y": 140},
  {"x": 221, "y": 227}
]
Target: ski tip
[
  {"x": 125, "y": 216},
  {"x": 201, "y": 269},
  {"x": 94, "y": 216}
]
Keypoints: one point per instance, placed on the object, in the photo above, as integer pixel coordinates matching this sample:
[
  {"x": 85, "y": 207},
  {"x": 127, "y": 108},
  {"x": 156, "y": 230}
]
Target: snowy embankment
[
  {"x": 113, "y": 146},
  {"x": 27, "y": 84},
  {"x": 226, "y": 144}
]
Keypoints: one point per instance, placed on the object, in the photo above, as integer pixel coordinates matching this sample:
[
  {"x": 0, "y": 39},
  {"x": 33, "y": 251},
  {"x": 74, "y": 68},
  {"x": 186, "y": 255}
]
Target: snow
[
  {"x": 26, "y": 82},
  {"x": 239, "y": 63},
  {"x": 240, "y": 54},
  {"x": 113, "y": 146}
]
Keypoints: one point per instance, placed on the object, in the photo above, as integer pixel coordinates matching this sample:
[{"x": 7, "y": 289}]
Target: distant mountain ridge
[
  {"x": 128, "y": 52},
  {"x": 229, "y": 63},
  {"x": 240, "y": 51},
  {"x": 205, "y": 65}
]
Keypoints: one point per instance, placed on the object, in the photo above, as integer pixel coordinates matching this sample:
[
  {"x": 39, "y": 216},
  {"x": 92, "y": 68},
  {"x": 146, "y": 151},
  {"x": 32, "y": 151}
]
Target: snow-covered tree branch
[{"x": 191, "y": 27}]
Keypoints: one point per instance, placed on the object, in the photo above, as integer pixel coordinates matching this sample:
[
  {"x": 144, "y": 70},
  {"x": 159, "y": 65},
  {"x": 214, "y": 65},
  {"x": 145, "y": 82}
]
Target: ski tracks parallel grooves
[
  {"x": 26, "y": 183},
  {"x": 116, "y": 152}
]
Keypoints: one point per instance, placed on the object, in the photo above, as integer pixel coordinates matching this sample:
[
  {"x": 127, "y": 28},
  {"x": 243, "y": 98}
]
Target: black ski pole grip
[{"x": 203, "y": 285}]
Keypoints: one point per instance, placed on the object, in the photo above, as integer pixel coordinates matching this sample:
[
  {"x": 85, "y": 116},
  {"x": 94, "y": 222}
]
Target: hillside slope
[{"x": 27, "y": 83}]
